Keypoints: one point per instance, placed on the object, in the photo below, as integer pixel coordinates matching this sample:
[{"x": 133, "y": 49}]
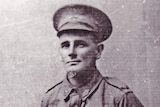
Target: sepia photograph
[{"x": 79, "y": 53}]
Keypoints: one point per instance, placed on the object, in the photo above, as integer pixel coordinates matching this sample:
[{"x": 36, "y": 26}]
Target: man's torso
[{"x": 108, "y": 92}]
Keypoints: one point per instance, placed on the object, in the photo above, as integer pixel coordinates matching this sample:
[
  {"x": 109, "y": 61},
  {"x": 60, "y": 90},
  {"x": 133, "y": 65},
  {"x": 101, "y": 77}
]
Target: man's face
[{"x": 78, "y": 51}]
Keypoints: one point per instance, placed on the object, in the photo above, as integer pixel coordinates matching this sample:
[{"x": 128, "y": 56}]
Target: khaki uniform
[{"x": 106, "y": 92}]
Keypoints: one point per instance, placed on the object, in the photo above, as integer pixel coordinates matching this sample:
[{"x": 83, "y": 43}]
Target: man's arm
[{"x": 129, "y": 100}]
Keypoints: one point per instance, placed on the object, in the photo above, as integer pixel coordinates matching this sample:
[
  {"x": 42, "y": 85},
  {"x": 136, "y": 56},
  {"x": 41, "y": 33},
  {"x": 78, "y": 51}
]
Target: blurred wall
[{"x": 30, "y": 62}]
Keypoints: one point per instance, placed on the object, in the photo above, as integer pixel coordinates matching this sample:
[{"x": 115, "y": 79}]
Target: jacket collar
[{"x": 87, "y": 90}]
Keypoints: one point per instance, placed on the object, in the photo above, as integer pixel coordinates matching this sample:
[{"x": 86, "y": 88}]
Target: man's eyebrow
[
  {"x": 77, "y": 42},
  {"x": 64, "y": 42},
  {"x": 80, "y": 41}
]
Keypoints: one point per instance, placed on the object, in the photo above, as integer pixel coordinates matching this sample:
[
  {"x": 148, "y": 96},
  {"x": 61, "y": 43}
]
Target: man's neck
[{"x": 79, "y": 79}]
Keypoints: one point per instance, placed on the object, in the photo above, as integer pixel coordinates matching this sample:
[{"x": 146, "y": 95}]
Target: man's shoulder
[
  {"x": 54, "y": 87},
  {"x": 117, "y": 84},
  {"x": 50, "y": 94},
  {"x": 118, "y": 91}
]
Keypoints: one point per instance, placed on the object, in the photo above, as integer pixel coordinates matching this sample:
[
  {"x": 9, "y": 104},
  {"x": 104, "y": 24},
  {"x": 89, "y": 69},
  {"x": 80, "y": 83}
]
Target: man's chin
[{"x": 73, "y": 68}]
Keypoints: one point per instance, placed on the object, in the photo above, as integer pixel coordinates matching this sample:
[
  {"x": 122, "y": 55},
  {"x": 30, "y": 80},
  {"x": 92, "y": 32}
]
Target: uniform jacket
[{"x": 106, "y": 92}]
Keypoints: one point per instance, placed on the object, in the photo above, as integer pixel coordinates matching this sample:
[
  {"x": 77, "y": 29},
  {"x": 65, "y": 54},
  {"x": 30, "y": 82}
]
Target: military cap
[{"x": 83, "y": 17}]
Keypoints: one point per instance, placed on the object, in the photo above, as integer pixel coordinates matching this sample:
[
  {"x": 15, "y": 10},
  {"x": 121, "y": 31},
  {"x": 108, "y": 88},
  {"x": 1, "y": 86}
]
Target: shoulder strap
[
  {"x": 118, "y": 84},
  {"x": 54, "y": 86}
]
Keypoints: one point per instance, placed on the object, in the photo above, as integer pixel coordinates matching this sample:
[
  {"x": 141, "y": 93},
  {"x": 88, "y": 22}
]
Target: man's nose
[{"x": 72, "y": 52}]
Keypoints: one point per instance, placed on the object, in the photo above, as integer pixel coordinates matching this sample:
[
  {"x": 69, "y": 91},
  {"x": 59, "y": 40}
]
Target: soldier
[{"x": 81, "y": 30}]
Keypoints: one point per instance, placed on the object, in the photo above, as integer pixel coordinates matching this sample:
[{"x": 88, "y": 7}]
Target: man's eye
[
  {"x": 64, "y": 45},
  {"x": 81, "y": 44}
]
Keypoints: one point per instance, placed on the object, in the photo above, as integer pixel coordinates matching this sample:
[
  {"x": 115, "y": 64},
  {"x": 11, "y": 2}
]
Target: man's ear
[{"x": 99, "y": 50}]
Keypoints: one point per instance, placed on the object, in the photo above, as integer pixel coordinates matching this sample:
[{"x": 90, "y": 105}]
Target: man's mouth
[{"x": 73, "y": 62}]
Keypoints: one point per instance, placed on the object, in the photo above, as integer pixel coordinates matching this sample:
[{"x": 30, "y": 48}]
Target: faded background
[{"x": 29, "y": 59}]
